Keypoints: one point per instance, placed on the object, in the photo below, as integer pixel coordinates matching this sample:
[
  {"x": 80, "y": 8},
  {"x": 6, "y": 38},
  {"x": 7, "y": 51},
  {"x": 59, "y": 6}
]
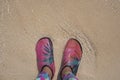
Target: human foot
[
  {"x": 44, "y": 52},
  {"x": 71, "y": 57}
]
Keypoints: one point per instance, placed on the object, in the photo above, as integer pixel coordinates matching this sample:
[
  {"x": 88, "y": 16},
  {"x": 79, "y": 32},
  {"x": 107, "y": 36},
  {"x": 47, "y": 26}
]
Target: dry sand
[{"x": 95, "y": 23}]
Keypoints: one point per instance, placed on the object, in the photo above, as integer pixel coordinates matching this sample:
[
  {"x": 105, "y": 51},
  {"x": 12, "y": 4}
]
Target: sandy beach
[{"x": 95, "y": 23}]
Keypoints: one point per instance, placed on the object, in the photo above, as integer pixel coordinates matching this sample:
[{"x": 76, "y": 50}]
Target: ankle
[
  {"x": 47, "y": 70},
  {"x": 66, "y": 71}
]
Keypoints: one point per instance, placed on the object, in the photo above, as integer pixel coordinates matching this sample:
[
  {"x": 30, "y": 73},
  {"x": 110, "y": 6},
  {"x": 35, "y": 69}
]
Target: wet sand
[{"x": 94, "y": 23}]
